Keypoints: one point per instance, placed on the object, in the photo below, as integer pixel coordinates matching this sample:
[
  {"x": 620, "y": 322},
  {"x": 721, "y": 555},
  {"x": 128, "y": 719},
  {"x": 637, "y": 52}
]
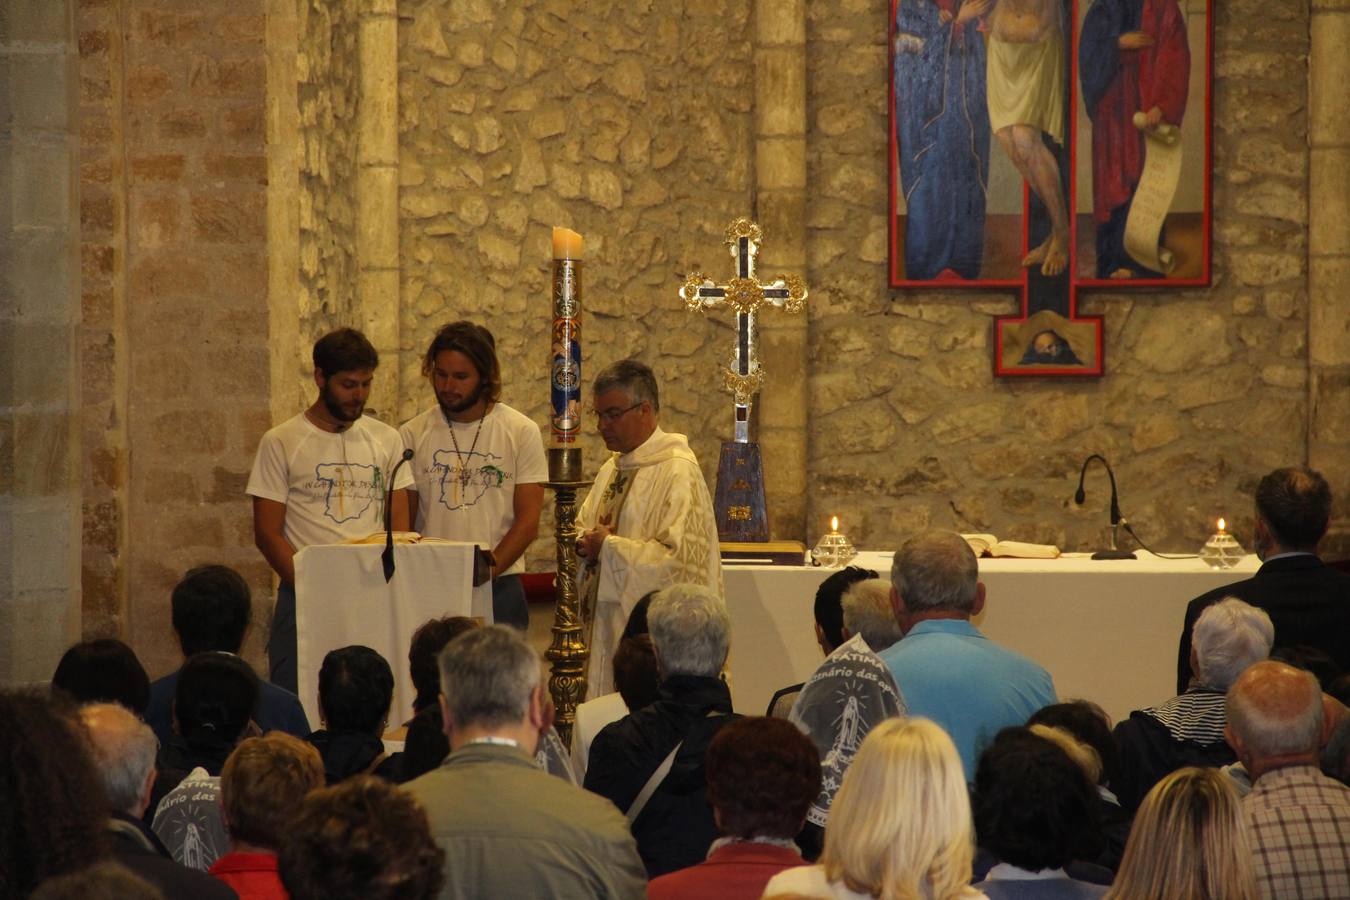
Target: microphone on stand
[
  {"x": 387, "y": 557},
  {"x": 1117, "y": 519}
]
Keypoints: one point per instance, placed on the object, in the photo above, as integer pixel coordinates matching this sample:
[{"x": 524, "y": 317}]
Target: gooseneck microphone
[
  {"x": 1117, "y": 520},
  {"x": 387, "y": 557}
]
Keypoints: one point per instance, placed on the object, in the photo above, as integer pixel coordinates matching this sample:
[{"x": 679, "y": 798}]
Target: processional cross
[{"x": 739, "y": 503}]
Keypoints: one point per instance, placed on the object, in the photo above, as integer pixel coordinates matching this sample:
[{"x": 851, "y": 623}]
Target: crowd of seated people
[{"x": 954, "y": 772}]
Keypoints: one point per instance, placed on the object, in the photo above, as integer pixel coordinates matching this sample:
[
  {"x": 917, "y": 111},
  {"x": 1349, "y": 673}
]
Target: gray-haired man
[
  {"x": 509, "y": 829},
  {"x": 650, "y": 763},
  {"x": 648, "y": 521},
  {"x": 124, "y": 748}
]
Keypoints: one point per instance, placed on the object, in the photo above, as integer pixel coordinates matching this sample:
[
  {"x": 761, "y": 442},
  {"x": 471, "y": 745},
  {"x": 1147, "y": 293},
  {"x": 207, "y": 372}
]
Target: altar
[{"x": 1106, "y": 630}]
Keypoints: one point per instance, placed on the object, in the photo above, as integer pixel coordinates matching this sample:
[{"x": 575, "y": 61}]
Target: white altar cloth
[
  {"x": 1107, "y": 630},
  {"x": 341, "y": 599}
]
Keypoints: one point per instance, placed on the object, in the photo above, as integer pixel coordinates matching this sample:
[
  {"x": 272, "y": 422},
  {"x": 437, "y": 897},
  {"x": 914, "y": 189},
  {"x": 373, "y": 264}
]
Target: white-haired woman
[
  {"x": 1187, "y": 730},
  {"x": 900, "y": 825}
]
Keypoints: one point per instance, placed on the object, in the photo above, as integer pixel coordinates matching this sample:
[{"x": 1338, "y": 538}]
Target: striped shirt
[
  {"x": 1300, "y": 832},
  {"x": 1197, "y": 715}
]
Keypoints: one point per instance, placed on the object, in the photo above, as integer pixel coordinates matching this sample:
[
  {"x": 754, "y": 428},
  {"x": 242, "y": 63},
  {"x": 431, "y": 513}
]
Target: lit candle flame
[
  {"x": 834, "y": 524},
  {"x": 1222, "y": 525}
]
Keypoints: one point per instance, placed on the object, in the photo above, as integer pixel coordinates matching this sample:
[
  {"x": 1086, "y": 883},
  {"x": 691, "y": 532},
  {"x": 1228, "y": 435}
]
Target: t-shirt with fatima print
[
  {"x": 333, "y": 484},
  {"x": 468, "y": 494}
]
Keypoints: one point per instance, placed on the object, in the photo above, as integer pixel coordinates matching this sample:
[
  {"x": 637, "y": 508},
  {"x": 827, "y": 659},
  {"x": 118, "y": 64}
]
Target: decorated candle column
[{"x": 565, "y": 355}]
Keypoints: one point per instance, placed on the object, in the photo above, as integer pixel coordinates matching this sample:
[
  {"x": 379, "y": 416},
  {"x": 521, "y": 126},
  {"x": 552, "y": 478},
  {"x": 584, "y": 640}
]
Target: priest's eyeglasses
[{"x": 612, "y": 415}]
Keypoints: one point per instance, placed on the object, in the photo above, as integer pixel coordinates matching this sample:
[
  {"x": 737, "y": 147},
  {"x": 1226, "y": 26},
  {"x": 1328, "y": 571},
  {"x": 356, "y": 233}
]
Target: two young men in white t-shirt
[{"x": 477, "y": 472}]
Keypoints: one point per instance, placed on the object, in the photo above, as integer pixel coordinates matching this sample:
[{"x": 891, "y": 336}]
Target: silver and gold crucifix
[
  {"x": 739, "y": 503},
  {"x": 745, "y": 294}
]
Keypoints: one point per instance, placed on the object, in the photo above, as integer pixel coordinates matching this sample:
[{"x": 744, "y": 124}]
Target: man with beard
[
  {"x": 321, "y": 478},
  {"x": 479, "y": 464}
]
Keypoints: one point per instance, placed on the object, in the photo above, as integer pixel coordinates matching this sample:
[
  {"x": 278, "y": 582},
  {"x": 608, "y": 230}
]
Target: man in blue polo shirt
[{"x": 948, "y": 671}]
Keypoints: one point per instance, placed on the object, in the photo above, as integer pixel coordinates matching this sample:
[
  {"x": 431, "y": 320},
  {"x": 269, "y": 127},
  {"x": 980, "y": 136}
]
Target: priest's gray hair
[
  {"x": 634, "y": 377},
  {"x": 124, "y": 748},
  {"x": 690, "y": 629},
  {"x": 936, "y": 570},
  {"x": 1229, "y": 636},
  {"x": 487, "y": 677},
  {"x": 1275, "y": 710},
  {"x": 867, "y": 611}
]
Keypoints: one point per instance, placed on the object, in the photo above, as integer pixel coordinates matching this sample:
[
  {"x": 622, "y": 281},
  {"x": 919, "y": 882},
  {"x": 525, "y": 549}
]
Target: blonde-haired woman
[
  {"x": 1169, "y": 858},
  {"x": 900, "y": 825}
]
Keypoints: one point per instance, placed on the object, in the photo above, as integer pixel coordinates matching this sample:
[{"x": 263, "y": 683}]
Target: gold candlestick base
[{"x": 568, "y": 652}]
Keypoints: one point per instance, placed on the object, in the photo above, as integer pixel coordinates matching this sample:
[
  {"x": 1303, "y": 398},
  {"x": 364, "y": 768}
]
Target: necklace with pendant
[{"x": 464, "y": 458}]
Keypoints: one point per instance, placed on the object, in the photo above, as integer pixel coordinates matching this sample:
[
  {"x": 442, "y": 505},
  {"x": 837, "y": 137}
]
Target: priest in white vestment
[{"x": 648, "y": 521}]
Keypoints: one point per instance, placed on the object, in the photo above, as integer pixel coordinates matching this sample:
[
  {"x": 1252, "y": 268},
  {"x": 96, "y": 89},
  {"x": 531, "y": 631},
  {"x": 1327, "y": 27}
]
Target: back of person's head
[
  {"x": 829, "y": 607},
  {"x": 691, "y": 630},
  {"x": 637, "y": 619},
  {"x": 488, "y": 676},
  {"x": 103, "y": 670},
  {"x": 868, "y": 612},
  {"x": 633, "y": 377},
  {"x": 762, "y": 776},
  {"x": 936, "y": 571},
  {"x": 263, "y": 784},
  {"x": 1035, "y": 807},
  {"x": 344, "y": 350},
  {"x": 1313, "y": 659},
  {"x": 1229, "y": 636},
  {"x": 1090, "y": 725},
  {"x": 427, "y": 643},
  {"x": 53, "y": 809},
  {"x": 1188, "y": 841},
  {"x": 1275, "y": 710},
  {"x": 356, "y": 687},
  {"x": 216, "y": 696},
  {"x": 1295, "y": 504},
  {"x": 636, "y": 676},
  {"x": 477, "y": 345},
  {"x": 212, "y": 607},
  {"x": 363, "y": 838},
  {"x": 124, "y": 748},
  {"x": 103, "y": 880},
  {"x": 900, "y": 825}
]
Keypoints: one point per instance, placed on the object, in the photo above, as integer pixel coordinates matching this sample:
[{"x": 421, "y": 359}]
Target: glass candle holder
[
  {"x": 833, "y": 550},
  {"x": 1222, "y": 551}
]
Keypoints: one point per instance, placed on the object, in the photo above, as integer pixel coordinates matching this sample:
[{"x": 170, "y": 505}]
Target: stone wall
[
  {"x": 630, "y": 122},
  {"x": 328, "y": 76},
  {"x": 39, "y": 312},
  {"x": 1205, "y": 389},
  {"x": 176, "y": 314}
]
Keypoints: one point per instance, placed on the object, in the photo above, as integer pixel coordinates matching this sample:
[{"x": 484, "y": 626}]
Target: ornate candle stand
[{"x": 571, "y": 624}]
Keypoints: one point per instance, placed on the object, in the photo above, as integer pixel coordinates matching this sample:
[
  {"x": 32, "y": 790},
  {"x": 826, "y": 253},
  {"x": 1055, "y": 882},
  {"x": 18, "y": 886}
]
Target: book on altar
[{"x": 990, "y": 545}]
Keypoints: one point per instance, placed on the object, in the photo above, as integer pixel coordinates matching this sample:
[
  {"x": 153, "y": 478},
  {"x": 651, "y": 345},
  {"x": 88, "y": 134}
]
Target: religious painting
[{"x": 1049, "y": 147}]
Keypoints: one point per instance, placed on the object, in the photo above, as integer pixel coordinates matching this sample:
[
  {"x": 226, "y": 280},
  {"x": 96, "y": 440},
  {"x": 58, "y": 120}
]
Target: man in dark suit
[{"x": 1308, "y": 601}]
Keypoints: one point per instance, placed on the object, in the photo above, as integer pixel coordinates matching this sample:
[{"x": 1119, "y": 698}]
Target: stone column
[
  {"x": 40, "y": 444},
  {"x": 377, "y": 196},
  {"x": 286, "y": 352},
  {"x": 1329, "y": 261},
  {"x": 780, "y": 208}
]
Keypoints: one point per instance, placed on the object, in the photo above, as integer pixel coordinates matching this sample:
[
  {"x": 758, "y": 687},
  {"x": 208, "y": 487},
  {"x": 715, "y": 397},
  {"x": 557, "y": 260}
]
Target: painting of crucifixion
[{"x": 1047, "y": 147}]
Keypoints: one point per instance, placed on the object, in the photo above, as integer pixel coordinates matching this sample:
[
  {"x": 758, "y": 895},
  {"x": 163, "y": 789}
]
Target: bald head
[
  {"x": 124, "y": 748},
  {"x": 1274, "y": 716}
]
